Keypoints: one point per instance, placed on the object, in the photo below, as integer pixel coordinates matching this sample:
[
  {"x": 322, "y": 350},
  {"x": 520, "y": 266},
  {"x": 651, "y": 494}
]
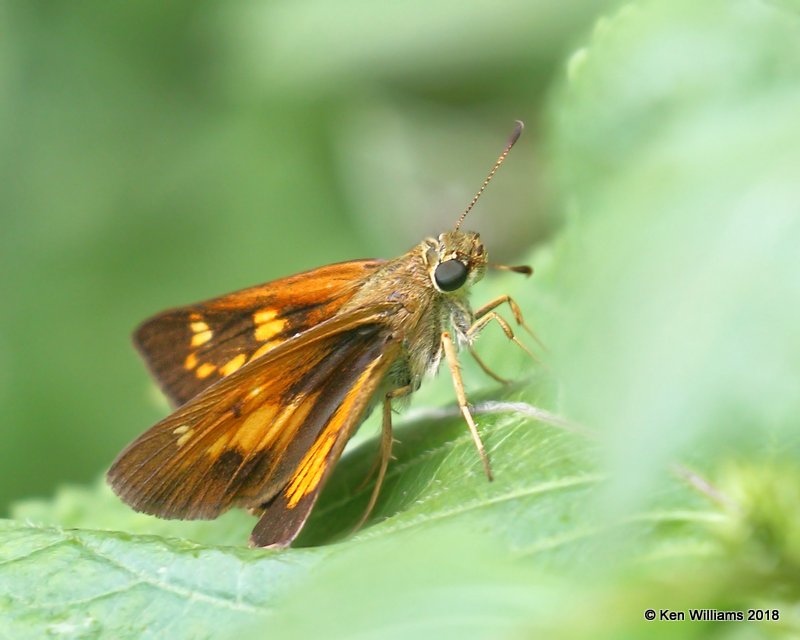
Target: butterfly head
[{"x": 456, "y": 260}]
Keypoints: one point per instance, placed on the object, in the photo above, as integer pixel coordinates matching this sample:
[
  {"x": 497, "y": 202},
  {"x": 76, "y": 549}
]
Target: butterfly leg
[
  {"x": 385, "y": 450},
  {"x": 515, "y": 310},
  {"x": 486, "y": 314},
  {"x": 486, "y": 368},
  {"x": 458, "y": 384},
  {"x": 485, "y": 319},
  {"x": 376, "y": 464}
]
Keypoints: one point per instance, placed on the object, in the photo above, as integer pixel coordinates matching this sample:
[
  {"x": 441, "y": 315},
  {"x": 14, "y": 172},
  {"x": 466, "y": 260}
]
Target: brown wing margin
[
  {"x": 262, "y": 432},
  {"x": 188, "y": 349}
]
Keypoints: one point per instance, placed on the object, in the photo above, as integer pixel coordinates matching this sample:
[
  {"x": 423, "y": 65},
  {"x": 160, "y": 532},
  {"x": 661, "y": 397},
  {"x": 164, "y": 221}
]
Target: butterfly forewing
[
  {"x": 267, "y": 432},
  {"x": 190, "y": 348}
]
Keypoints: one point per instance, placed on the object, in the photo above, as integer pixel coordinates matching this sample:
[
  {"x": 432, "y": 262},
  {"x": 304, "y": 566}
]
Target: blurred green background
[{"x": 157, "y": 154}]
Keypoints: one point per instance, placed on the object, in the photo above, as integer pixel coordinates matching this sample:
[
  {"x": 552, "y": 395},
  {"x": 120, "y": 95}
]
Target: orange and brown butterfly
[{"x": 271, "y": 381}]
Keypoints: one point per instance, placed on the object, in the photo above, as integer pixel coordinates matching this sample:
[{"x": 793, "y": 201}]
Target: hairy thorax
[{"x": 417, "y": 313}]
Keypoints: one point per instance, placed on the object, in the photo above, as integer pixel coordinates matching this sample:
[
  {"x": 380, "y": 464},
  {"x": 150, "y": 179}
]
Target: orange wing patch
[
  {"x": 190, "y": 362},
  {"x": 184, "y": 433},
  {"x": 233, "y": 364},
  {"x": 205, "y": 370},
  {"x": 200, "y": 333},
  {"x": 267, "y": 324}
]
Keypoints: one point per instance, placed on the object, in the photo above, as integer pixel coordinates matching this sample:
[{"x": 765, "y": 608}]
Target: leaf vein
[
  {"x": 545, "y": 487},
  {"x": 189, "y": 594}
]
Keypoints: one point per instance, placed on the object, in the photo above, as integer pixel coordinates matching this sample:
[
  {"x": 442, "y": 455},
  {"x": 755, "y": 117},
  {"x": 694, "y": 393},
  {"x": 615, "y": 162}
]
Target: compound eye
[{"x": 450, "y": 275}]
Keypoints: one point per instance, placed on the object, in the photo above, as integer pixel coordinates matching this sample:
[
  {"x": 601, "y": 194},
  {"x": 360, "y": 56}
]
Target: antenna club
[{"x": 517, "y": 133}]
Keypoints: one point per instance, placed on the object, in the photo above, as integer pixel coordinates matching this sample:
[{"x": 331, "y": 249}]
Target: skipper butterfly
[{"x": 271, "y": 381}]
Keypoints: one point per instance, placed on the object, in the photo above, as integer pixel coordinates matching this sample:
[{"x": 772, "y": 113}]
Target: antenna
[{"x": 514, "y": 137}]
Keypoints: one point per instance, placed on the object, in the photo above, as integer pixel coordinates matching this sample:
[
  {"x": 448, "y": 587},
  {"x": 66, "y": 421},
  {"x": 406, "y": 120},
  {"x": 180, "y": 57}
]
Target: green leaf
[
  {"x": 78, "y": 584},
  {"x": 678, "y": 142},
  {"x": 435, "y": 494}
]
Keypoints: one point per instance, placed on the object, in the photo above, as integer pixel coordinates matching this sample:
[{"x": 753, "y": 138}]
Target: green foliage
[
  {"x": 669, "y": 302},
  {"x": 681, "y": 271},
  {"x": 437, "y": 513}
]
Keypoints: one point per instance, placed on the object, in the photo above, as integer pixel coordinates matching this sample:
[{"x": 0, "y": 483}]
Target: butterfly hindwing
[
  {"x": 283, "y": 516},
  {"x": 190, "y": 348},
  {"x": 343, "y": 384},
  {"x": 266, "y": 434}
]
